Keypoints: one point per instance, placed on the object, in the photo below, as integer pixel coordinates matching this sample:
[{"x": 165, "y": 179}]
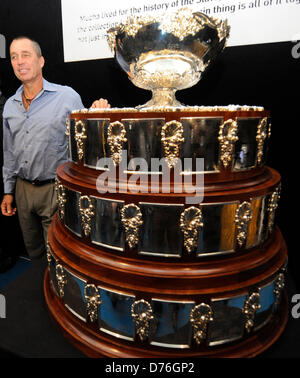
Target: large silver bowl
[{"x": 167, "y": 52}]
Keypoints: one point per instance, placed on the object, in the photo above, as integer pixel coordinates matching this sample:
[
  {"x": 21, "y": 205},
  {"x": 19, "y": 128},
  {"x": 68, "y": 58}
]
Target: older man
[{"x": 34, "y": 143}]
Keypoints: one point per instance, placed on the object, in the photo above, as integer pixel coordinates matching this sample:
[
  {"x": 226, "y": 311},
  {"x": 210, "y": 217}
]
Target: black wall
[{"x": 265, "y": 75}]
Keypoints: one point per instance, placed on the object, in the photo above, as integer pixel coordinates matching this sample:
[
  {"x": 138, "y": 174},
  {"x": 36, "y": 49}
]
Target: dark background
[{"x": 265, "y": 75}]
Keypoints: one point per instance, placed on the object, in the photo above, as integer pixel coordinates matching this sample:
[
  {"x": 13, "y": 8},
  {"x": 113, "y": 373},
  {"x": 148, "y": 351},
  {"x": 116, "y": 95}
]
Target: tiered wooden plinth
[
  {"x": 147, "y": 296},
  {"x": 165, "y": 281}
]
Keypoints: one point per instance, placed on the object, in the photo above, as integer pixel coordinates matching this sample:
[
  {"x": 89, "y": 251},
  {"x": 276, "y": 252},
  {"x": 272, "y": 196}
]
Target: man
[{"x": 34, "y": 143}]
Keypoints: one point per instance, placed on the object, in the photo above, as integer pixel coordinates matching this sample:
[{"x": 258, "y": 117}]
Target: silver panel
[
  {"x": 267, "y": 299},
  {"x": 72, "y": 216},
  {"x": 171, "y": 327},
  {"x": 96, "y": 146},
  {"x": 229, "y": 322},
  {"x": 74, "y": 295},
  {"x": 257, "y": 227},
  {"x": 52, "y": 272},
  {"x": 201, "y": 141},
  {"x": 73, "y": 145},
  {"x": 107, "y": 229},
  {"x": 144, "y": 140},
  {"x": 246, "y": 146},
  {"x": 160, "y": 233},
  {"x": 217, "y": 235},
  {"x": 114, "y": 315}
]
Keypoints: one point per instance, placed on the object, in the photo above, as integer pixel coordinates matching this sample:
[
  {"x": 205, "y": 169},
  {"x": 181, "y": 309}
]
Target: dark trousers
[{"x": 36, "y": 206}]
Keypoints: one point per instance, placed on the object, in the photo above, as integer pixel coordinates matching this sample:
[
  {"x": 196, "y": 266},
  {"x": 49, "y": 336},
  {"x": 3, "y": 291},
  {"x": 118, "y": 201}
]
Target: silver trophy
[{"x": 167, "y": 53}]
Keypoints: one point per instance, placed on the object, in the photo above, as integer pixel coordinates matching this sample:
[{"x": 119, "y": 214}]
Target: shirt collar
[{"x": 47, "y": 87}]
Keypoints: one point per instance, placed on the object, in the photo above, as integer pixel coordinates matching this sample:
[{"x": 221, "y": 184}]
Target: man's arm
[{"x": 7, "y": 207}]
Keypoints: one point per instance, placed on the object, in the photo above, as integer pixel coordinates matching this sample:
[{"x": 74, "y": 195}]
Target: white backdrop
[{"x": 252, "y": 22}]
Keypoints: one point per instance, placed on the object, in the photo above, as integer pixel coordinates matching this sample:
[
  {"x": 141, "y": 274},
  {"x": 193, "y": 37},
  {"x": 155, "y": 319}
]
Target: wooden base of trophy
[
  {"x": 154, "y": 279},
  {"x": 92, "y": 344}
]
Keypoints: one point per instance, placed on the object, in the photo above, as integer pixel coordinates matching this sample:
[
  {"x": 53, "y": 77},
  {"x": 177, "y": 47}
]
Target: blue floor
[{"x": 15, "y": 271}]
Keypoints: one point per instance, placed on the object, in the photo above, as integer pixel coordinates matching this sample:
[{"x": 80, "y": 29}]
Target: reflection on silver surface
[
  {"x": 72, "y": 216},
  {"x": 52, "y": 270},
  {"x": 73, "y": 155},
  {"x": 217, "y": 233},
  {"x": 167, "y": 52},
  {"x": 200, "y": 135},
  {"x": 96, "y": 146},
  {"x": 160, "y": 233},
  {"x": 201, "y": 141},
  {"x": 144, "y": 139},
  {"x": 171, "y": 326},
  {"x": 246, "y": 146},
  {"x": 267, "y": 300},
  {"x": 74, "y": 295},
  {"x": 115, "y": 314},
  {"x": 106, "y": 227},
  {"x": 257, "y": 229},
  {"x": 228, "y": 324}
]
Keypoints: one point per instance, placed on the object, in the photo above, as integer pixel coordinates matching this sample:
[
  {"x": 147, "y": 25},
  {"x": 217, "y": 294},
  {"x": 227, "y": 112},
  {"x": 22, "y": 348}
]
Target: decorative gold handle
[
  {"x": 172, "y": 138},
  {"x": 67, "y": 133},
  {"x": 227, "y": 138},
  {"x": 251, "y": 306},
  {"x": 93, "y": 300},
  {"x": 272, "y": 206},
  {"x": 49, "y": 254},
  {"x": 243, "y": 216},
  {"x": 61, "y": 279},
  {"x": 201, "y": 315},
  {"x": 86, "y": 214},
  {"x": 80, "y": 136},
  {"x": 131, "y": 217},
  {"x": 278, "y": 287},
  {"x": 116, "y": 138},
  {"x": 61, "y": 198},
  {"x": 190, "y": 225},
  {"x": 142, "y": 314},
  {"x": 261, "y": 136}
]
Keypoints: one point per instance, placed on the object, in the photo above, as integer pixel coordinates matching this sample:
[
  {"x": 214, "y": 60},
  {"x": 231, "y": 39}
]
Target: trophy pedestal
[
  {"x": 141, "y": 273},
  {"x": 94, "y": 345},
  {"x": 90, "y": 339}
]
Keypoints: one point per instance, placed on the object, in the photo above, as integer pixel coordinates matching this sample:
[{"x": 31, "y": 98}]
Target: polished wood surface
[{"x": 83, "y": 179}]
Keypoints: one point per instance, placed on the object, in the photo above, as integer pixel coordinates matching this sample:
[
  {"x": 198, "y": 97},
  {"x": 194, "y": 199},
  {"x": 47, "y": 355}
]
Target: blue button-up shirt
[{"x": 34, "y": 142}]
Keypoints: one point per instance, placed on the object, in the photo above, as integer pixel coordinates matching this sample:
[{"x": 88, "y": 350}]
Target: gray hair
[{"x": 35, "y": 44}]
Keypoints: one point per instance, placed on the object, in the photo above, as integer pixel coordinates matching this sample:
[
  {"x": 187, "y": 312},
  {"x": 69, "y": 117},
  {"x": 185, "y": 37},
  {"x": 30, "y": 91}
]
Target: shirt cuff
[{"x": 9, "y": 187}]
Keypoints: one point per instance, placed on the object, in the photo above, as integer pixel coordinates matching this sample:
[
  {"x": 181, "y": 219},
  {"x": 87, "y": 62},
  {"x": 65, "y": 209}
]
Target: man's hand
[
  {"x": 101, "y": 103},
  {"x": 7, "y": 205}
]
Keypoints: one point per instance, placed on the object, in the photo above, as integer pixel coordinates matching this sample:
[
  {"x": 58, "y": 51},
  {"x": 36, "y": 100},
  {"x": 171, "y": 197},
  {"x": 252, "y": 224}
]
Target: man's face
[{"x": 27, "y": 65}]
